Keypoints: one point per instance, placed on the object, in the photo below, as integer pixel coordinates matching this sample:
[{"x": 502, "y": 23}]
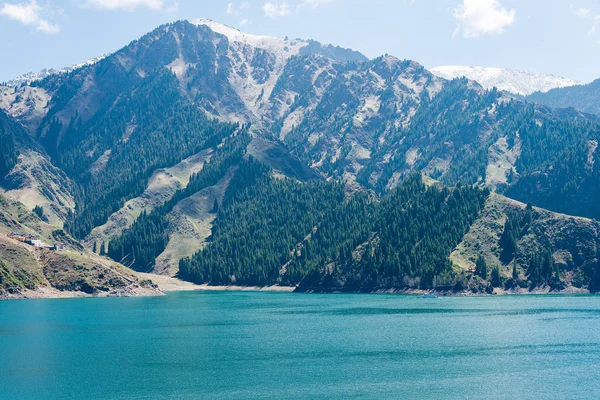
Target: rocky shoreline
[{"x": 46, "y": 292}]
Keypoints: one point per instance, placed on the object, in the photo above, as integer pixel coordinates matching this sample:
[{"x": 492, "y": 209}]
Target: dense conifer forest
[
  {"x": 285, "y": 232},
  {"x": 8, "y": 151},
  {"x": 258, "y": 225}
]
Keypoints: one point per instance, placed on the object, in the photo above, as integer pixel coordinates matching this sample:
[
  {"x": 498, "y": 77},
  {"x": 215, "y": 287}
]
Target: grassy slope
[
  {"x": 34, "y": 181},
  {"x": 162, "y": 185},
  {"x": 190, "y": 224},
  {"x": 26, "y": 271}
]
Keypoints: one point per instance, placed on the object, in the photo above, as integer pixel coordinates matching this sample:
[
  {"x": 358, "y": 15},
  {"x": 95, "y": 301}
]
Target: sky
[{"x": 561, "y": 37}]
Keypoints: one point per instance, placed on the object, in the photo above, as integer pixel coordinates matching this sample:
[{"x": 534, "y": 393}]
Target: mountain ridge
[
  {"x": 514, "y": 81},
  {"x": 30, "y": 77},
  {"x": 585, "y": 98}
]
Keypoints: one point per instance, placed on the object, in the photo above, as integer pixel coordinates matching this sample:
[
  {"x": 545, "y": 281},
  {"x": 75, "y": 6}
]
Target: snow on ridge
[
  {"x": 242, "y": 50},
  {"x": 29, "y": 77},
  {"x": 513, "y": 81},
  {"x": 281, "y": 47}
]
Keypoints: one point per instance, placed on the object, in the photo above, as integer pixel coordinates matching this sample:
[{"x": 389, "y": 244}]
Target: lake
[{"x": 239, "y": 345}]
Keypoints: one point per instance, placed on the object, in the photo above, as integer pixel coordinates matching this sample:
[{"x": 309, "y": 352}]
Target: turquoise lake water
[{"x": 239, "y": 345}]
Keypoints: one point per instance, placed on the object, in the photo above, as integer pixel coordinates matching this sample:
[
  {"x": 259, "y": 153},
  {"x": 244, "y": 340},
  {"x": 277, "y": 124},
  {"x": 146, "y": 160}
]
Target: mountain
[
  {"x": 517, "y": 82},
  {"x": 203, "y": 152},
  {"x": 585, "y": 98}
]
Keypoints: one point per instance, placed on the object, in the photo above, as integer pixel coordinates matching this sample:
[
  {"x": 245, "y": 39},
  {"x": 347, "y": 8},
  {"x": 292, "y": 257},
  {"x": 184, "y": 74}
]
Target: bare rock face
[{"x": 25, "y": 103}]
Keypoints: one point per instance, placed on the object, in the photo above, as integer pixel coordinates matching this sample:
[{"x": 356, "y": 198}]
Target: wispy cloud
[
  {"x": 239, "y": 11},
  {"x": 595, "y": 23},
  {"x": 586, "y": 13},
  {"x": 316, "y": 3},
  {"x": 132, "y": 5},
  {"x": 281, "y": 8},
  {"x": 475, "y": 18},
  {"x": 580, "y": 12},
  {"x": 232, "y": 9},
  {"x": 30, "y": 14},
  {"x": 277, "y": 9}
]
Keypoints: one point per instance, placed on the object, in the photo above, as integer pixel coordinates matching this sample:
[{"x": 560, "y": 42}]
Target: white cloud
[
  {"x": 482, "y": 17},
  {"x": 245, "y": 22},
  {"x": 47, "y": 27},
  {"x": 132, "y": 5},
  {"x": 229, "y": 8},
  {"x": 276, "y": 9},
  {"x": 29, "y": 14}
]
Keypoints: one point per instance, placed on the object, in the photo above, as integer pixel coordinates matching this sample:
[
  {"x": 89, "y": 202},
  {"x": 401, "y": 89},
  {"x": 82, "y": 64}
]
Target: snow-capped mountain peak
[
  {"x": 281, "y": 47},
  {"x": 513, "y": 81}
]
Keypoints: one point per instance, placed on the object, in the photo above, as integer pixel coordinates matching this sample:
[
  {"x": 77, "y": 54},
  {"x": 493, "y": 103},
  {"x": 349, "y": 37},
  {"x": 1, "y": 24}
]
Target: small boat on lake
[{"x": 429, "y": 296}]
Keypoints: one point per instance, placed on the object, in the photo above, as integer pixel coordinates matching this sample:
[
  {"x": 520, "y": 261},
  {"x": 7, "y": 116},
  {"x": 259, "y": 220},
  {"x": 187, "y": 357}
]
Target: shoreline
[
  {"x": 235, "y": 288},
  {"x": 170, "y": 284},
  {"x": 571, "y": 290},
  {"x": 165, "y": 284}
]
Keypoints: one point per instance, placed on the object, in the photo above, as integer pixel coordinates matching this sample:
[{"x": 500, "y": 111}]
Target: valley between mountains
[{"x": 221, "y": 158}]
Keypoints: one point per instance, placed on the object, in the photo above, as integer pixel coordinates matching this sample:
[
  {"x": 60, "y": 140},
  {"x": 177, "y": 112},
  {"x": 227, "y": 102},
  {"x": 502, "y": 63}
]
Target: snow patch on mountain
[
  {"x": 281, "y": 47},
  {"x": 257, "y": 62},
  {"x": 29, "y": 77},
  {"x": 513, "y": 81}
]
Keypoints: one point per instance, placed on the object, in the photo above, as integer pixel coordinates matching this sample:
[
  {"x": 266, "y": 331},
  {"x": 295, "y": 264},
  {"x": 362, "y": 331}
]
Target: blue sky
[{"x": 561, "y": 37}]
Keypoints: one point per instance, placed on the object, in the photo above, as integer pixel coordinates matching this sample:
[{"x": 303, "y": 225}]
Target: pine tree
[
  {"x": 534, "y": 269},
  {"x": 481, "y": 267},
  {"x": 39, "y": 211},
  {"x": 495, "y": 279},
  {"x": 508, "y": 240}
]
